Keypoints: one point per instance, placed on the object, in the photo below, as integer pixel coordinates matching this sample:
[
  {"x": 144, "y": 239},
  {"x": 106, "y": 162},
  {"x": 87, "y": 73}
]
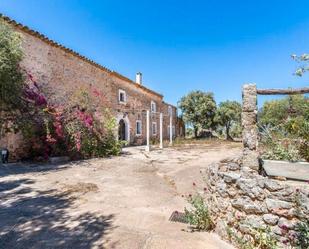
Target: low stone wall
[{"x": 240, "y": 199}]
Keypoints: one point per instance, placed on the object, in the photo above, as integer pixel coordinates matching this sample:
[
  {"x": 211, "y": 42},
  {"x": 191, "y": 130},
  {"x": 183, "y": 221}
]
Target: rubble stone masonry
[{"x": 239, "y": 200}]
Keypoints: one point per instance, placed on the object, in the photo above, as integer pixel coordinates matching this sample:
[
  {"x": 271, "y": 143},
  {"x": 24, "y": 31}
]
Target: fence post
[
  {"x": 147, "y": 131},
  {"x": 161, "y": 130},
  {"x": 171, "y": 129},
  {"x": 249, "y": 124}
]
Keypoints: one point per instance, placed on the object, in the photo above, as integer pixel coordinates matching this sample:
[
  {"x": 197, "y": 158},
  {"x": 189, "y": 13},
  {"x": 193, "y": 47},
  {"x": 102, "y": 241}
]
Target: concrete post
[
  {"x": 249, "y": 124},
  {"x": 161, "y": 130},
  {"x": 148, "y": 130},
  {"x": 171, "y": 129}
]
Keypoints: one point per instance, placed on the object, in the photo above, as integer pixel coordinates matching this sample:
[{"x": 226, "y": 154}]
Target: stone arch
[{"x": 124, "y": 121}]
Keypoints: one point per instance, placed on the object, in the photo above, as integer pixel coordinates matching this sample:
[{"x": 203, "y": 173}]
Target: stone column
[
  {"x": 249, "y": 125},
  {"x": 148, "y": 131},
  {"x": 161, "y": 130}
]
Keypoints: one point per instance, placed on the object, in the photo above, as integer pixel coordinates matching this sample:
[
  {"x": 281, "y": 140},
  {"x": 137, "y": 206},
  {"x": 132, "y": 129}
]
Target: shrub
[
  {"x": 199, "y": 216},
  {"x": 302, "y": 235},
  {"x": 260, "y": 238}
]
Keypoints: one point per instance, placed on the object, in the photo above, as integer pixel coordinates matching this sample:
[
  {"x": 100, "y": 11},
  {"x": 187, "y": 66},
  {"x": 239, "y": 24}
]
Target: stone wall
[{"x": 240, "y": 199}]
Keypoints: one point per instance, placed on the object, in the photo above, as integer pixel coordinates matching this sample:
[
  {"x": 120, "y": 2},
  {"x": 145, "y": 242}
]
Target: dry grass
[{"x": 80, "y": 188}]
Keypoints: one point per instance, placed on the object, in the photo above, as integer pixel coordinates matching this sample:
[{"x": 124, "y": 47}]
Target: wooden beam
[{"x": 282, "y": 91}]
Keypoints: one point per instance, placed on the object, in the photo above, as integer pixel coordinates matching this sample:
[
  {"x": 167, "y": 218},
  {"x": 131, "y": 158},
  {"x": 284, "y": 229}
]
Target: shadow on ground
[{"x": 44, "y": 219}]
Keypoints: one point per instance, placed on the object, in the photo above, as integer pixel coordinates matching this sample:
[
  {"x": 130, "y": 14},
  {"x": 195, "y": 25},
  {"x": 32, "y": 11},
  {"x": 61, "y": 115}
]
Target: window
[
  {"x": 153, "y": 106},
  {"x": 154, "y": 128},
  {"x": 170, "y": 111},
  {"x": 138, "y": 127},
  {"x": 122, "y": 97}
]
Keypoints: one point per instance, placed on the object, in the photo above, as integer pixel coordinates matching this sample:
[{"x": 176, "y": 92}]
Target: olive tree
[
  {"x": 198, "y": 110},
  {"x": 228, "y": 114},
  {"x": 11, "y": 77}
]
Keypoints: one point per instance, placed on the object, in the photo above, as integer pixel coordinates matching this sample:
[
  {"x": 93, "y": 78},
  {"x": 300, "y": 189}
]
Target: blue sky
[{"x": 180, "y": 46}]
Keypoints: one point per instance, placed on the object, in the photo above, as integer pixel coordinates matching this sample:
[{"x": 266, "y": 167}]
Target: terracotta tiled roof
[{"x": 68, "y": 50}]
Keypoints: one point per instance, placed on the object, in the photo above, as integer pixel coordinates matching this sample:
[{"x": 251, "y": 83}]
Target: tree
[
  {"x": 228, "y": 114},
  {"x": 278, "y": 112},
  {"x": 11, "y": 76},
  {"x": 198, "y": 110},
  {"x": 303, "y": 61}
]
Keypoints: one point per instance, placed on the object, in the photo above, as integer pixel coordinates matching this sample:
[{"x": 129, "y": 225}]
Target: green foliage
[
  {"x": 198, "y": 110},
  {"x": 261, "y": 238},
  {"x": 199, "y": 215},
  {"x": 303, "y": 61},
  {"x": 284, "y": 127},
  {"x": 228, "y": 116},
  {"x": 302, "y": 235},
  {"x": 282, "y": 150},
  {"x": 11, "y": 77}
]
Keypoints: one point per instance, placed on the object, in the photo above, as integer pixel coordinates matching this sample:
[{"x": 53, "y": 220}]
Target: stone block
[
  {"x": 255, "y": 221},
  {"x": 247, "y": 205},
  {"x": 277, "y": 207},
  {"x": 250, "y": 188},
  {"x": 250, "y": 137},
  {"x": 283, "y": 223},
  {"x": 230, "y": 177},
  {"x": 271, "y": 219},
  {"x": 250, "y": 159},
  {"x": 272, "y": 185},
  {"x": 249, "y": 98},
  {"x": 248, "y": 118},
  {"x": 233, "y": 166}
]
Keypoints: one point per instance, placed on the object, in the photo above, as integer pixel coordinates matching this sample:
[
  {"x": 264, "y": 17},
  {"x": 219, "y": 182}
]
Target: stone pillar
[
  {"x": 171, "y": 129},
  {"x": 148, "y": 130},
  {"x": 249, "y": 125},
  {"x": 161, "y": 130}
]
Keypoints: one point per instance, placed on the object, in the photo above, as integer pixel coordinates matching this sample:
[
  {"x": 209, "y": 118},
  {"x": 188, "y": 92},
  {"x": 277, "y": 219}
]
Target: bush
[
  {"x": 260, "y": 238},
  {"x": 281, "y": 150},
  {"x": 284, "y": 127},
  {"x": 302, "y": 235},
  {"x": 199, "y": 216}
]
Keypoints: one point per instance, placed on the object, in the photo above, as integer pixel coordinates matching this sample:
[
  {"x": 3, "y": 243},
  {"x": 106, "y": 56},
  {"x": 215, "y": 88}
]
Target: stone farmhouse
[{"x": 63, "y": 70}]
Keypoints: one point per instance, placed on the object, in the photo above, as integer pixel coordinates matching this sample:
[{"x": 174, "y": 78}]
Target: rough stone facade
[
  {"x": 240, "y": 199},
  {"x": 250, "y": 132},
  {"x": 59, "y": 71}
]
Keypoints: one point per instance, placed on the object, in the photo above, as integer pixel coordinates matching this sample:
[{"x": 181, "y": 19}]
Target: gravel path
[{"x": 120, "y": 202}]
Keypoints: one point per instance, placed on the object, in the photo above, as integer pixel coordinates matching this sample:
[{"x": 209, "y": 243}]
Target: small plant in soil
[{"x": 198, "y": 216}]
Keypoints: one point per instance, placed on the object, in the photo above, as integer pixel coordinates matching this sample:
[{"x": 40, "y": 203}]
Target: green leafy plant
[
  {"x": 302, "y": 235},
  {"x": 199, "y": 215},
  {"x": 260, "y": 238},
  {"x": 278, "y": 150},
  {"x": 284, "y": 128}
]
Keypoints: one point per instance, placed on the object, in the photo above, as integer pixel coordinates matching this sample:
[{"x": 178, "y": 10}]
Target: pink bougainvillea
[{"x": 87, "y": 119}]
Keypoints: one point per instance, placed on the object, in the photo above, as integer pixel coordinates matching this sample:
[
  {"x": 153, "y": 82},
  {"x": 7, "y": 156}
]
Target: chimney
[{"x": 139, "y": 78}]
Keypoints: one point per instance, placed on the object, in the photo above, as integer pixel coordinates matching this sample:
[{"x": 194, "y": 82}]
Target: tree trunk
[
  {"x": 228, "y": 137},
  {"x": 195, "y": 132}
]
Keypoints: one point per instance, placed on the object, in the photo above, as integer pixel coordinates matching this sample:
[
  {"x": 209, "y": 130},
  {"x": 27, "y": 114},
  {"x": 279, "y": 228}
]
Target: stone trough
[{"x": 289, "y": 170}]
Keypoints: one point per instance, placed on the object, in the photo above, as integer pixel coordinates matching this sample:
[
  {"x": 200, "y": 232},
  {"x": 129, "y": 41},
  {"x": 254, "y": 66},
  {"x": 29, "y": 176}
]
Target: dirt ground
[{"x": 119, "y": 202}]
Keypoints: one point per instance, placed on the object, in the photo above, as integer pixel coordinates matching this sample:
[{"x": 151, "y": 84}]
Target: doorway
[{"x": 122, "y": 130}]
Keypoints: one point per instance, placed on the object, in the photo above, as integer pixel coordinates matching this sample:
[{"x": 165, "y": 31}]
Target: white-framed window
[
  {"x": 153, "y": 106},
  {"x": 154, "y": 128},
  {"x": 138, "y": 127},
  {"x": 170, "y": 111},
  {"x": 122, "y": 96}
]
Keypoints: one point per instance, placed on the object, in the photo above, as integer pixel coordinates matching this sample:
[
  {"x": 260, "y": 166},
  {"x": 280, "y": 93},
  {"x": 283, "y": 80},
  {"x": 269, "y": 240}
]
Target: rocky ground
[{"x": 119, "y": 202}]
